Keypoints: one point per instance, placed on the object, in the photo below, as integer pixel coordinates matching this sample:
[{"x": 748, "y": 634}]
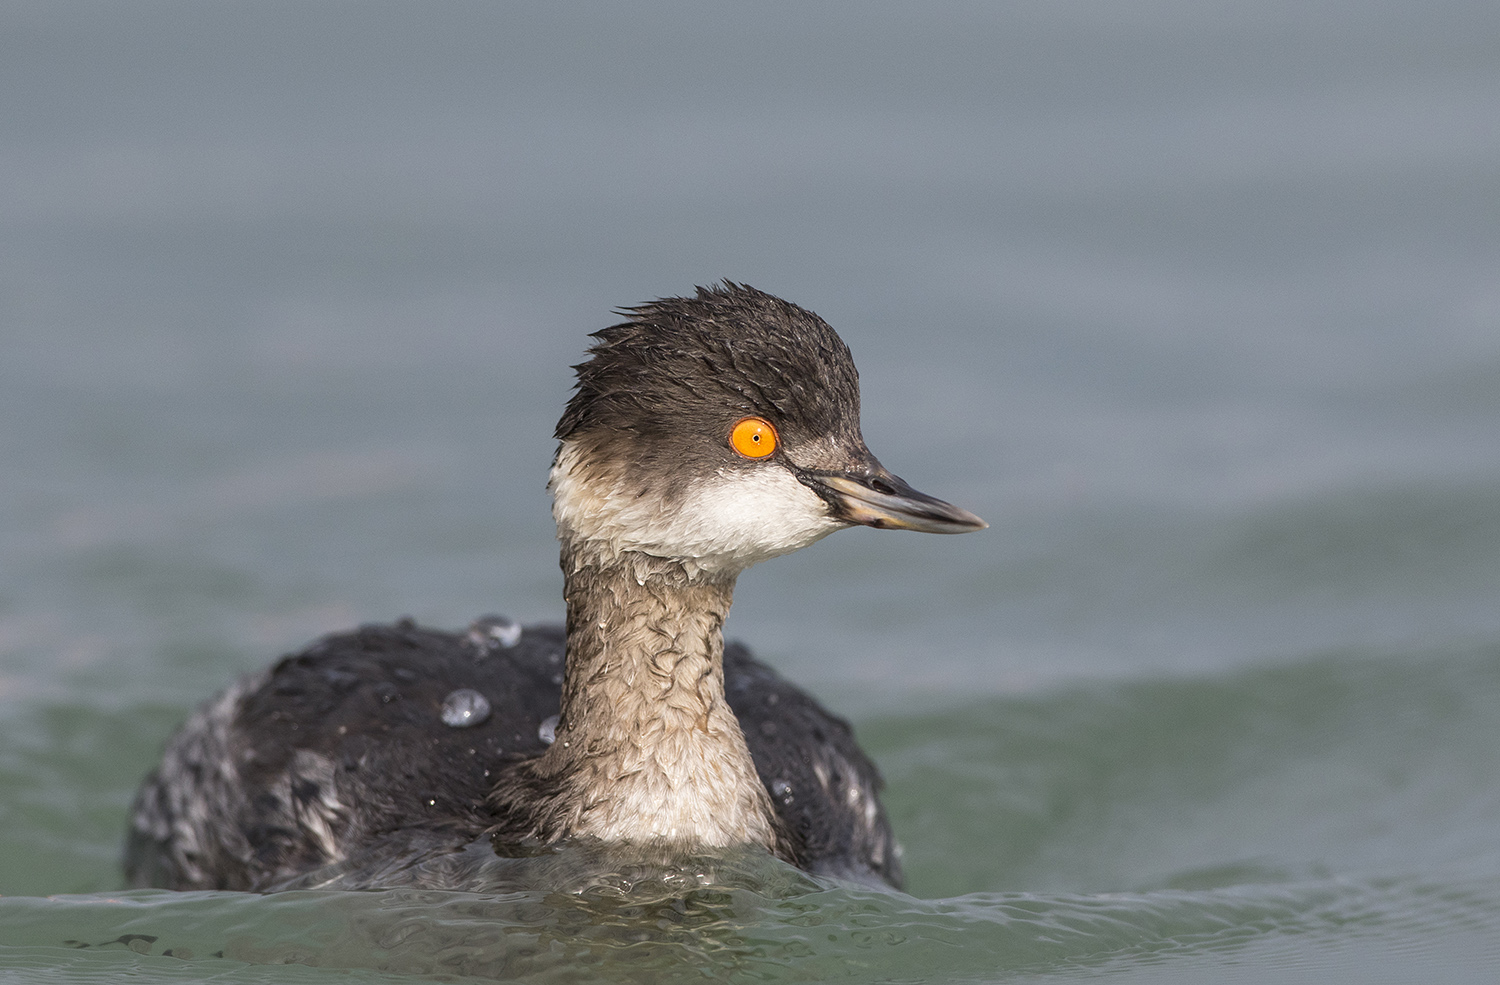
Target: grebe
[{"x": 705, "y": 434}]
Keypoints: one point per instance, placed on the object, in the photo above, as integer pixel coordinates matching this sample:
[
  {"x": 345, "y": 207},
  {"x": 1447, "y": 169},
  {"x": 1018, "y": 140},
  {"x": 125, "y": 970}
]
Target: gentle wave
[
  {"x": 1347, "y": 762},
  {"x": 1292, "y": 812},
  {"x": 834, "y": 933}
]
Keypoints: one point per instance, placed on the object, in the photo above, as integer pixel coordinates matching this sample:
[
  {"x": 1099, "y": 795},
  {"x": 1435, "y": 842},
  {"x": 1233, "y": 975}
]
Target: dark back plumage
[{"x": 345, "y": 740}]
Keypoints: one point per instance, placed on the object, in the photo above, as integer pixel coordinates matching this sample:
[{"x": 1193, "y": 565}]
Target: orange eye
[{"x": 753, "y": 437}]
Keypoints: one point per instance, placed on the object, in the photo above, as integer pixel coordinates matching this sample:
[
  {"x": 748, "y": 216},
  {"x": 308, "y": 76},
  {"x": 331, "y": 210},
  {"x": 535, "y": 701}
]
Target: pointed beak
[{"x": 884, "y": 501}]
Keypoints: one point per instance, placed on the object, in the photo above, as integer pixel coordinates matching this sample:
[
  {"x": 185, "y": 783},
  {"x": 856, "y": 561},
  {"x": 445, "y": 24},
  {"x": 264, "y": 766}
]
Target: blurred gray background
[{"x": 1195, "y": 302}]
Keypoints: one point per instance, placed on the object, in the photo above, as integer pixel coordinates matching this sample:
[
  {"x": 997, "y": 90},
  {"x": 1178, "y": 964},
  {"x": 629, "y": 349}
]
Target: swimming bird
[{"x": 705, "y": 434}]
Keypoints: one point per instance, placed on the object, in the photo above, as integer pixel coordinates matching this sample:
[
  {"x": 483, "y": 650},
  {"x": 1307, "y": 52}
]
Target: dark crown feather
[{"x": 729, "y": 351}]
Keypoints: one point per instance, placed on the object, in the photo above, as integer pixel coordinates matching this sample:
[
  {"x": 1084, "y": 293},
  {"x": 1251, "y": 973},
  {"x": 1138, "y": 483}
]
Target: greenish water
[
  {"x": 1196, "y": 304},
  {"x": 1140, "y": 829}
]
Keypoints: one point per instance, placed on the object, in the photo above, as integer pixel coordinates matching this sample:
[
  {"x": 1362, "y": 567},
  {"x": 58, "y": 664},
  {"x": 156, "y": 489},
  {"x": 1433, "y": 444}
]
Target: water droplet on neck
[{"x": 465, "y": 708}]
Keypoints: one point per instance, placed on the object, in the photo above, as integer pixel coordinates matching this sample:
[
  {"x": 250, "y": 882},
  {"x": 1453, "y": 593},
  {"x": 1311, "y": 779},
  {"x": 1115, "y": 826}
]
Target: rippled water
[
  {"x": 1332, "y": 817},
  {"x": 1196, "y": 303}
]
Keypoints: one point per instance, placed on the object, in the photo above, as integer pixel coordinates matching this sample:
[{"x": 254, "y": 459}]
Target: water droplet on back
[
  {"x": 494, "y": 632},
  {"x": 465, "y": 708}
]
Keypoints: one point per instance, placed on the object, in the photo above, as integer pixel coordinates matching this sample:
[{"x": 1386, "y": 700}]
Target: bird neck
[{"x": 647, "y": 748}]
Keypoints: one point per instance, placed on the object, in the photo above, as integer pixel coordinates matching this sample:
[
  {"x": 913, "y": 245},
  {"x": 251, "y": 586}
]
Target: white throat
[{"x": 719, "y": 525}]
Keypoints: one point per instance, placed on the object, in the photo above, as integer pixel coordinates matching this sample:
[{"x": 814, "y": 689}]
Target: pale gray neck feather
[{"x": 647, "y": 749}]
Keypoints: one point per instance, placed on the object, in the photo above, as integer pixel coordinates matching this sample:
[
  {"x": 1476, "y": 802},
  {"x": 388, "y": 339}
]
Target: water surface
[{"x": 1195, "y": 303}]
